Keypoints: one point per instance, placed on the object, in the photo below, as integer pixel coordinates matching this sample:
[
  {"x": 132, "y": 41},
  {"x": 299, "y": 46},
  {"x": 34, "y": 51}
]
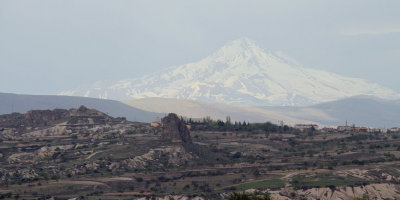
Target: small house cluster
[
  {"x": 346, "y": 128},
  {"x": 303, "y": 127}
]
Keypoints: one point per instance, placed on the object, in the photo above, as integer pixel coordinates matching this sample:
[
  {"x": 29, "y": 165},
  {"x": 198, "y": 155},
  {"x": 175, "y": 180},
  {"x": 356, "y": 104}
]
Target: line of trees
[{"x": 227, "y": 125}]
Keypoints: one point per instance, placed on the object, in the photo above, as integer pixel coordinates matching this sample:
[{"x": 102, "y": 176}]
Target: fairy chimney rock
[{"x": 175, "y": 129}]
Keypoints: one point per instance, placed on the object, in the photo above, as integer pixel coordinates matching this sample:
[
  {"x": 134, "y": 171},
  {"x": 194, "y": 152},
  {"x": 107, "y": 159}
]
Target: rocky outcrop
[
  {"x": 160, "y": 157},
  {"x": 34, "y": 119},
  {"x": 84, "y": 111},
  {"x": 371, "y": 191},
  {"x": 175, "y": 129},
  {"x": 84, "y": 115},
  {"x": 37, "y": 118}
]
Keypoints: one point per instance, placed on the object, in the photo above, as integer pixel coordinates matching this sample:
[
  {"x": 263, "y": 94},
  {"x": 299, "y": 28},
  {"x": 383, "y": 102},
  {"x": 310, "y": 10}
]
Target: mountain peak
[
  {"x": 241, "y": 73},
  {"x": 244, "y": 42},
  {"x": 243, "y": 47}
]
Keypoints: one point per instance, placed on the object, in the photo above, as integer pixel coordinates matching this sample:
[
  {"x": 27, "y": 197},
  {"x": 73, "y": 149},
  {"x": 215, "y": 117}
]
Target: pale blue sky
[{"x": 50, "y": 45}]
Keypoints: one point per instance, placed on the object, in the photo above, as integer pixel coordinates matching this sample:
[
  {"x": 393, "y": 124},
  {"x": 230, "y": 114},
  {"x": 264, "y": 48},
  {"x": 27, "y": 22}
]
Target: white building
[{"x": 303, "y": 127}]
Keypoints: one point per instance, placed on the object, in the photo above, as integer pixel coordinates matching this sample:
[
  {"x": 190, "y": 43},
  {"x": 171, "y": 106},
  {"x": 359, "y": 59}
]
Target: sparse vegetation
[{"x": 116, "y": 158}]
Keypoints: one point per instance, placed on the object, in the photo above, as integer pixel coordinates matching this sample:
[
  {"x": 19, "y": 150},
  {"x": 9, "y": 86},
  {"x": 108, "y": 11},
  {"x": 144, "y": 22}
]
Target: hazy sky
[{"x": 49, "y": 45}]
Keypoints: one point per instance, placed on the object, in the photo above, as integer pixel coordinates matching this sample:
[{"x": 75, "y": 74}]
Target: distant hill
[
  {"x": 364, "y": 110},
  {"x": 22, "y": 103},
  {"x": 359, "y": 110},
  {"x": 199, "y": 109}
]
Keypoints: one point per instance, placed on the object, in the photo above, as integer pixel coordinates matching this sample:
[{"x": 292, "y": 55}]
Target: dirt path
[
  {"x": 83, "y": 182},
  {"x": 93, "y": 154}
]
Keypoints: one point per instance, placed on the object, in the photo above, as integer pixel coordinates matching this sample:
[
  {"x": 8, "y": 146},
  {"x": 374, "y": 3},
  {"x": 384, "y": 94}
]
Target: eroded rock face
[
  {"x": 37, "y": 118},
  {"x": 84, "y": 111},
  {"x": 160, "y": 157},
  {"x": 33, "y": 118},
  {"x": 372, "y": 191},
  {"x": 84, "y": 115},
  {"x": 174, "y": 129}
]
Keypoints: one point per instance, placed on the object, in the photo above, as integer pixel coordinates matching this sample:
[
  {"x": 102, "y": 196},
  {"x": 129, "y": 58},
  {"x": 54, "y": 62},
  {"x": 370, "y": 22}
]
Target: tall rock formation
[{"x": 175, "y": 129}]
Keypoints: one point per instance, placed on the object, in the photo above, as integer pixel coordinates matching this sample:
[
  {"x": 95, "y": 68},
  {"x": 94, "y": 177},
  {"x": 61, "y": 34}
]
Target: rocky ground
[{"x": 86, "y": 154}]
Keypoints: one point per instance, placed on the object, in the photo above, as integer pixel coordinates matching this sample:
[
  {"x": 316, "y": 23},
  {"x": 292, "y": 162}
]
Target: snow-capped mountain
[{"x": 239, "y": 73}]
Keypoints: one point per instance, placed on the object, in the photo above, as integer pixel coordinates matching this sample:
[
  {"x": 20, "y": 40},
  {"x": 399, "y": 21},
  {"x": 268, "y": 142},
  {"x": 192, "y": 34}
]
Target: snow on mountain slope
[{"x": 240, "y": 73}]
